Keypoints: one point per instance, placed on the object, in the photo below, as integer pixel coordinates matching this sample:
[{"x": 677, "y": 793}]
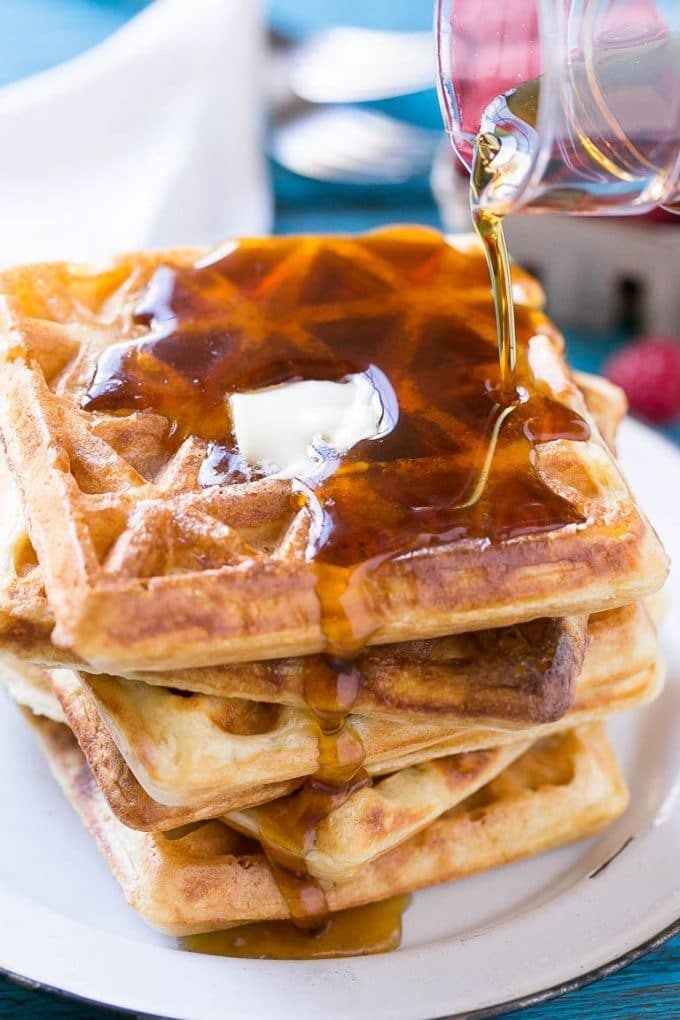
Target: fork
[
  {"x": 350, "y": 145},
  {"x": 351, "y": 65}
]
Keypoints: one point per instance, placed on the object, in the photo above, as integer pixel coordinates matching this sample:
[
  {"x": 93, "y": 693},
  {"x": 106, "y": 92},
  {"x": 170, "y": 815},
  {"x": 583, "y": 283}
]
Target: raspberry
[{"x": 649, "y": 373}]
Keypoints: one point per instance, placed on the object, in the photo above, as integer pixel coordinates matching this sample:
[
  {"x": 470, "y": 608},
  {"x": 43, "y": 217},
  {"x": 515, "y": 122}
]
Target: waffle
[
  {"x": 212, "y": 750},
  {"x": 599, "y": 702},
  {"x": 26, "y": 624},
  {"x": 30, "y": 687},
  {"x": 606, "y": 402},
  {"x": 374, "y": 819},
  {"x": 204, "y": 771},
  {"x": 167, "y": 608},
  {"x": 210, "y": 878},
  {"x": 515, "y": 674},
  {"x": 200, "y": 775},
  {"x": 478, "y": 678},
  {"x": 146, "y": 569},
  {"x": 25, "y": 618},
  {"x": 502, "y": 678},
  {"x": 381, "y": 817}
]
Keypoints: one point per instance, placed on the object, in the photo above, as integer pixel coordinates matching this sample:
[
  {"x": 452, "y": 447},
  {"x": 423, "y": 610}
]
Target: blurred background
[{"x": 129, "y": 123}]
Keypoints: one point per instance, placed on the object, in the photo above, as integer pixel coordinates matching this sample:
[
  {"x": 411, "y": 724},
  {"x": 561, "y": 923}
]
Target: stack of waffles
[{"x": 272, "y": 696}]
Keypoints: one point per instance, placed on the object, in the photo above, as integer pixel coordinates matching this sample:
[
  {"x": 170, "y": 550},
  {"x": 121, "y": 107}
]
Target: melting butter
[{"x": 290, "y": 428}]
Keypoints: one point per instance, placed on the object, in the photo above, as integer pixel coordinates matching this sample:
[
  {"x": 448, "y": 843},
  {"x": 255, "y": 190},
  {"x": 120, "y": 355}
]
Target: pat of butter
[{"x": 287, "y": 428}]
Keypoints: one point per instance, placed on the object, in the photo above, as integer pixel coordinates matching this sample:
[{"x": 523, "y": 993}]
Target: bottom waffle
[{"x": 208, "y": 877}]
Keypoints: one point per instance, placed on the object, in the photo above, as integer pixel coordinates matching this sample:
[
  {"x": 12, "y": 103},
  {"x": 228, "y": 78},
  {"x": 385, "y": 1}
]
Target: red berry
[{"x": 649, "y": 373}]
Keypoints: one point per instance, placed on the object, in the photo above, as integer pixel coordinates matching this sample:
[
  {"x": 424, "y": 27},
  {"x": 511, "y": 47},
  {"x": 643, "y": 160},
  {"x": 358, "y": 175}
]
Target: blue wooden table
[{"x": 648, "y": 987}]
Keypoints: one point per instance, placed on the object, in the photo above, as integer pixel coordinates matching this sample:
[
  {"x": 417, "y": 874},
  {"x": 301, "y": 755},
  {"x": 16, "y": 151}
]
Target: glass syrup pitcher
[{"x": 559, "y": 106}]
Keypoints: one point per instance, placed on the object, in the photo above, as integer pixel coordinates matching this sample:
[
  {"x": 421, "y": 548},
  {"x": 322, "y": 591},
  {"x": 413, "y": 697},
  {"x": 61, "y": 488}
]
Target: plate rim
[{"x": 604, "y": 970}]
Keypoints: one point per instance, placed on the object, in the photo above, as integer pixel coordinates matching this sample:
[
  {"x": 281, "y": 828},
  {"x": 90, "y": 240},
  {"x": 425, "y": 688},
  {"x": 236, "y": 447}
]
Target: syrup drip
[
  {"x": 288, "y": 827},
  {"x": 375, "y": 928},
  {"x": 489, "y": 228},
  {"x": 304, "y": 896},
  {"x": 331, "y": 692}
]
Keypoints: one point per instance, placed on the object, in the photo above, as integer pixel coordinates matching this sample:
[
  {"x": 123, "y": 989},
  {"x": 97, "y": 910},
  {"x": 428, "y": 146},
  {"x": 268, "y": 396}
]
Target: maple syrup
[
  {"x": 359, "y": 931},
  {"x": 489, "y": 229},
  {"x": 401, "y": 300},
  {"x": 288, "y": 827}
]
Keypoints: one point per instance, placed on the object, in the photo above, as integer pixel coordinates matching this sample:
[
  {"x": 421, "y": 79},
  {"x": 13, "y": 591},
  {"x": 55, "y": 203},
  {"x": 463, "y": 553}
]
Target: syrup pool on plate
[{"x": 375, "y": 928}]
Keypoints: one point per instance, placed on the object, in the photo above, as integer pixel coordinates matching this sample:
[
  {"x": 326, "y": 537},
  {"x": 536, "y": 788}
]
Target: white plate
[{"x": 509, "y": 935}]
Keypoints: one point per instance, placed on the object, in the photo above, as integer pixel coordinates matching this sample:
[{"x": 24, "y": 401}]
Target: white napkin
[{"x": 152, "y": 138}]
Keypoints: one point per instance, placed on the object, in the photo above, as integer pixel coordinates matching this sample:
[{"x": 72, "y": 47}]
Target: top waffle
[{"x": 162, "y": 548}]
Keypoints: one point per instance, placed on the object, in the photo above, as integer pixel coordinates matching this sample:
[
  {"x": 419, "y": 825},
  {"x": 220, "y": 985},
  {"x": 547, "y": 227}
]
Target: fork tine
[
  {"x": 347, "y": 144},
  {"x": 350, "y": 64}
]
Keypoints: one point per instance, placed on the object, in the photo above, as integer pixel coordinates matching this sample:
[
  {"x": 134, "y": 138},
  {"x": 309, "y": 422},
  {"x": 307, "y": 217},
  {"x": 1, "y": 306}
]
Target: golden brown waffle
[
  {"x": 634, "y": 679},
  {"x": 371, "y": 821},
  {"x": 473, "y": 677},
  {"x": 30, "y": 687},
  {"x": 521, "y": 674},
  {"x": 376, "y": 818},
  {"x": 209, "y": 877},
  {"x": 212, "y": 751},
  {"x": 478, "y": 678},
  {"x": 512, "y": 676},
  {"x": 508, "y": 676},
  {"x": 606, "y": 402},
  {"x": 205, "y": 759},
  {"x": 600, "y": 701},
  {"x": 26, "y": 621},
  {"x": 145, "y": 569}
]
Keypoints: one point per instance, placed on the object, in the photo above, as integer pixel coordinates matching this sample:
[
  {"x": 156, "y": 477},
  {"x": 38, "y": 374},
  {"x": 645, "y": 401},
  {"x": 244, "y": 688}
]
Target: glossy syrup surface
[{"x": 399, "y": 304}]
